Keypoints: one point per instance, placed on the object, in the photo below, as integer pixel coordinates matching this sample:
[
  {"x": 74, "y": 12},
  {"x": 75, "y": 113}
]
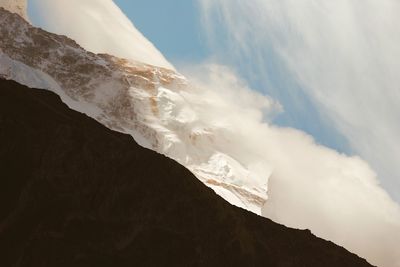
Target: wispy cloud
[
  {"x": 343, "y": 54},
  {"x": 99, "y": 26}
]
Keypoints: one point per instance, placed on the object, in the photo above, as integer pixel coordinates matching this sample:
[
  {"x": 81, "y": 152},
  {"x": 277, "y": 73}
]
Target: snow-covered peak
[
  {"x": 16, "y": 6},
  {"x": 100, "y": 27},
  {"x": 157, "y": 106}
]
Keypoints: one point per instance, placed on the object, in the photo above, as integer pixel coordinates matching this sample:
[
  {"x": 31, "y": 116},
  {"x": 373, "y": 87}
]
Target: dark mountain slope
[{"x": 74, "y": 193}]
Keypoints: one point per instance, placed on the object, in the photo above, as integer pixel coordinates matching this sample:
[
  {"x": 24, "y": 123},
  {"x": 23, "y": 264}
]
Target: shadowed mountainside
[{"x": 74, "y": 193}]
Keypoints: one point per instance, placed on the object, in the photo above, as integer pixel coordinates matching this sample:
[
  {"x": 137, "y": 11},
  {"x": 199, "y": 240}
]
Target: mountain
[
  {"x": 155, "y": 105},
  {"x": 75, "y": 193},
  {"x": 16, "y": 6}
]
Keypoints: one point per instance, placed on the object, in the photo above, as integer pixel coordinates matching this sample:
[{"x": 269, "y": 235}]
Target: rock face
[
  {"x": 74, "y": 193},
  {"x": 150, "y": 103},
  {"x": 16, "y": 6}
]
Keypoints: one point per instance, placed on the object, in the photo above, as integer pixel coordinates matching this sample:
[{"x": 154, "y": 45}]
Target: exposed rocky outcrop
[{"x": 74, "y": 193}]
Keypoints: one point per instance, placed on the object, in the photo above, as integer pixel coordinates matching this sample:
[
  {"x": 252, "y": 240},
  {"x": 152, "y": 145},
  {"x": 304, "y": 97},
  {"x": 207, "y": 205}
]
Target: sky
[
  {"x": 342, "y": 57},
  {"x": 174, "y": 27},
  {"x": 330, "y": 69}
]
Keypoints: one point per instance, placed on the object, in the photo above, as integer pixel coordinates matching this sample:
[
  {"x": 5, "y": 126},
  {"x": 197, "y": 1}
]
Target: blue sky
[
  {"x": 177, "y": 32},
  {"x": 174, "y": 28}
]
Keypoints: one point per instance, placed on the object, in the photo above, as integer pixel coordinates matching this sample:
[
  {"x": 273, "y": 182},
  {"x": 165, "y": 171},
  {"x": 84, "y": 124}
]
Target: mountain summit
[{"x": 16, "y": 6}]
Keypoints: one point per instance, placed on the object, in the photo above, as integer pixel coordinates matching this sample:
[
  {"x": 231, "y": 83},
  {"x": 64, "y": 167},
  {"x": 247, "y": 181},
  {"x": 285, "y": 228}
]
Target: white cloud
[
  {"x": 344, "y": 55},
  {"x": 99, "y": 26},
  {"x": 310, "y": 186}
]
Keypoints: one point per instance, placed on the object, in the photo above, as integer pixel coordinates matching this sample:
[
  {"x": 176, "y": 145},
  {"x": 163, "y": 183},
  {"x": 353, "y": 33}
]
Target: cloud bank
[
  {"x": 97, "y": 25},
  {"x": 310, "y": 186},
  {"x": 344, "y": 55}
]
